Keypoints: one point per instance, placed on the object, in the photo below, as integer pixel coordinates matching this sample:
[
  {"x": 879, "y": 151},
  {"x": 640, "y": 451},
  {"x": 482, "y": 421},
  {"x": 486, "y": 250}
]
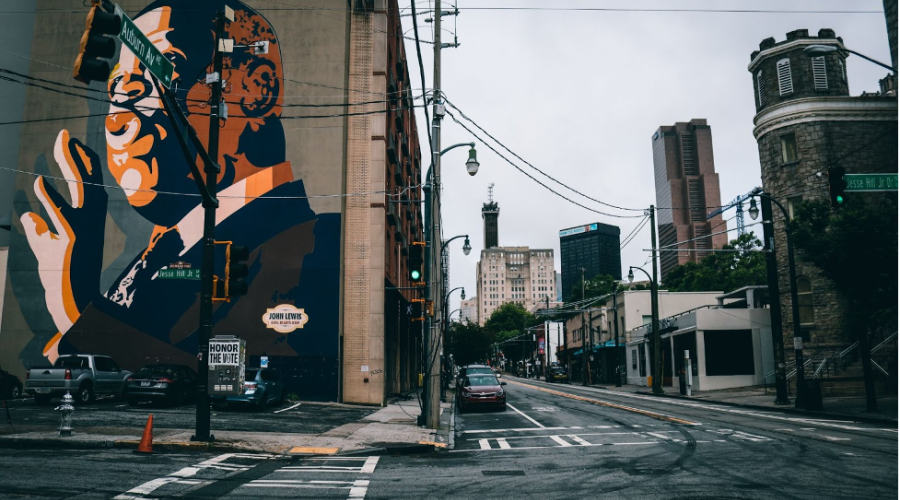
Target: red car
[{"x": 480, "y": 390}]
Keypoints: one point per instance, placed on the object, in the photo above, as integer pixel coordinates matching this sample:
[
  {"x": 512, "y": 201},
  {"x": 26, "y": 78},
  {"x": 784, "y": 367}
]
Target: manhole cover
[{"x": 503, "y": 472}]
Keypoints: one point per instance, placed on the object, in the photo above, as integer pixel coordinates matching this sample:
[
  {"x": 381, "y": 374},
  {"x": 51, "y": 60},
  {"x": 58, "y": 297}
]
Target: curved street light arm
[{"x": 451, "y": 239}]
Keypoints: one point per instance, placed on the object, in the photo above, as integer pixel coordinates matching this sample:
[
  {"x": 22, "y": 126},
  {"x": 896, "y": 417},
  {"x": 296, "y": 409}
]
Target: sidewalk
[{"x": 389, "y": 430}]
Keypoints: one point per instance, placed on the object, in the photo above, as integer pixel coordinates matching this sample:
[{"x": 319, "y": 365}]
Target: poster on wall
[{"x": 109, "y": 210}]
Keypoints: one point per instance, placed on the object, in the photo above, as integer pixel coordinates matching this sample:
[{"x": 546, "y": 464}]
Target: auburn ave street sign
[{"x": 153, "y": 59}]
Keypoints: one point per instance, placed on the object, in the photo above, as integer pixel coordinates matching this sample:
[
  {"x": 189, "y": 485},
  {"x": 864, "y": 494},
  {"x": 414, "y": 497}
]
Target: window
[
  {"x": 687, "y": 155},
  {"x": 646, "y": 320},
  {"x": 842, "y": 71},
  {"x": 788, "y": 148},
  {"x": 695, "y": 195},
  {"x": 805, "y": 301},
  {"x": 760, "y": 89},
  {"x": 785, "y": 83},
  {"x": 820, "y": 79},
  {"x": 793, "y": 204}
]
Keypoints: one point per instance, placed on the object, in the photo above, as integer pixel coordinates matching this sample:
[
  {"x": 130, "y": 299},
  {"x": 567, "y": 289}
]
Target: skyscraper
[
  {"x": 490, "y": 212},
  {"x": 594, "y": 247},
  {"x": 686, "y": 185}
]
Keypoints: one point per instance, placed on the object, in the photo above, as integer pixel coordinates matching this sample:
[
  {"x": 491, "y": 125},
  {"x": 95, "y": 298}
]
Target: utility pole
[
  {"x": 209, "y": 234},
  {"x": 590, "y": 354},
  {"x": 584, "y": 358},
  {"x": 781, "y": 397},
  {"x": 654, "y": 306},
  {"x": 616, "y": 330}
]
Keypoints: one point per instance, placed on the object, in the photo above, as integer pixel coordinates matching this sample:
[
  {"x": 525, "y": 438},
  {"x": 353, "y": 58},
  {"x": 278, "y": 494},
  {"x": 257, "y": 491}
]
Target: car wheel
[
  {"x": 264, "y": 402},
  {"x": 15, "y": 392},
  {"x": 41, "y": 400},
  {"x": 281, "y": 398},
  {"x": 84, "y": 395}
]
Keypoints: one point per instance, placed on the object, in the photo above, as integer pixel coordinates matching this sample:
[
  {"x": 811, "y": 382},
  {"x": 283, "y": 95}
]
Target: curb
[
  {"x": 786, "y": 408},
  {"x": 93, "y": 444},
  {"x": 391, "y": 449}
]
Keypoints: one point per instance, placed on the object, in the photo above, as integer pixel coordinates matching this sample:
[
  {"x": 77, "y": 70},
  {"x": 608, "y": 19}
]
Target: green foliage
[
  {"x": 724, "y": 271},
  {"x": 509, "y": 320},
  {"x": 598, "y": 286},
  {"x": 855, "y": 247},
  {"x": 469, "y": 343}
]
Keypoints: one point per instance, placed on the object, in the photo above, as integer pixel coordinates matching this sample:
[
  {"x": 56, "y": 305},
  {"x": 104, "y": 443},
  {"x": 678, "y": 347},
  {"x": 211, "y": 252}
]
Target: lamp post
[
  {"x": 657, "y": 347},
  {"x": 792, "y": 277},
  {"x": 821, "y": 50},
  {"x": 431, "y": 343},
  {"x": 459, "y": 310}
]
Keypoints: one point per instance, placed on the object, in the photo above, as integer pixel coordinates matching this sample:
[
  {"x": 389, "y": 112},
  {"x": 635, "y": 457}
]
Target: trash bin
[{"x": 812, "y": 395}]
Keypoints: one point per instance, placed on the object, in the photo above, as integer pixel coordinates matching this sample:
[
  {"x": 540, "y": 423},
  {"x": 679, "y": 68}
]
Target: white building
[
  {"x": 468, "y": 310},
  {"x": 514, "y": 274}
]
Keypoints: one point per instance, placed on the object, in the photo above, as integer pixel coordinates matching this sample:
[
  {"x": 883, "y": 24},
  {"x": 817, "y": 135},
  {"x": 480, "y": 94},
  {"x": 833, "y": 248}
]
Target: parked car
[
  {"x": 82, "y": 375},
  {"x": 480, "y": 390},
  {"x": 262, "y": 386},
  {"x": 173, "y": 384},
  {"x": 10, "y": 385},
  {"x": 556, "y": 374},
  {"x": 472, "y": 369}
]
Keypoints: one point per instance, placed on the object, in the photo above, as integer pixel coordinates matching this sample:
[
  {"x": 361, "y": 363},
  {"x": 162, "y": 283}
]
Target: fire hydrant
[{"x": 66, "y": 410}]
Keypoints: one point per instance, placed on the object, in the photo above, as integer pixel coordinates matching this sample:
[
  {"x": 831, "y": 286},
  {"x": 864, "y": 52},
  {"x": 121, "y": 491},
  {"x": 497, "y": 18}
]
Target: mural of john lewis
[{"x": 141, "y": 318}]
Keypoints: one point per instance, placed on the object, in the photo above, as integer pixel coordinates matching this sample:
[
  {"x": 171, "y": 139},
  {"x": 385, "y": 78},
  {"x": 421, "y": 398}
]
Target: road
[{"x": 554, "y": 441}]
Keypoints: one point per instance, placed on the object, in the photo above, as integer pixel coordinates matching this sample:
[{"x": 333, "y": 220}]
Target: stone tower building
[{"x": 806, "y": 122}]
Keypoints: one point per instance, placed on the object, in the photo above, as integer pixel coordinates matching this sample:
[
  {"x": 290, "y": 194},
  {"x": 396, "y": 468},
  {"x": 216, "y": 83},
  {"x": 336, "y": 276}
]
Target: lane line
[
  {"x": 485, "y": 444},
  {"x": 503, "y": 444},
  {"x": 562, "y": 442},
  {"x": 659, "y": 416},
  {"x": 286, "y": 409},
  {"x": 358, "y": 490},
  {"x": 369, "y": 466},
  {"x": 578, "y": 440},
  {"x": 475, "y": 431},
  {"x": 533, "y": 421}
]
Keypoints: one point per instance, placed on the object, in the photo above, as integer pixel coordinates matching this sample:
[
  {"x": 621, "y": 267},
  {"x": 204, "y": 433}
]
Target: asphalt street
[{"x": 553, "y": 441}]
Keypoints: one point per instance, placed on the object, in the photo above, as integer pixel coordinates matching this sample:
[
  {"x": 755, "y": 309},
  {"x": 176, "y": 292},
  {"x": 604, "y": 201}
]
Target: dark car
[
  {"x": 262, "y": 387},
  {"x": 473, "y": 370},
  {"x": 10, "y": 385},
  {"x": 556, "y": 374},
  {"x": 163, "y": 383},
  {"x": 480, "y": 390}
]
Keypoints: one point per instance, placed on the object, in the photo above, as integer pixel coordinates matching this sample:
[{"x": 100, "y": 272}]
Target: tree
[
  {"x": 469, "y": 343},
  {"x": 856, "y": 248},
  {"x": 508, "y": 321},
  {"x": 725, "y": 271},
  {"x": 598, "y": 286}
]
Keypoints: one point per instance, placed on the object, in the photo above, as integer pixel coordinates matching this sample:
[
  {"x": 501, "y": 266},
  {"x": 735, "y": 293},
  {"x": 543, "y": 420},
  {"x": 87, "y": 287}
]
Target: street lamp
[
  {"x": 795, "y": 307},
  {"x": 821, "y": 50},
  {"x": 654, "y": 319}
]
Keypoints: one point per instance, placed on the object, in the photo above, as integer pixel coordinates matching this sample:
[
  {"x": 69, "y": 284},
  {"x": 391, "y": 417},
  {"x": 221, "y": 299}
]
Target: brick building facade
[{"x": 806, "y": 122}]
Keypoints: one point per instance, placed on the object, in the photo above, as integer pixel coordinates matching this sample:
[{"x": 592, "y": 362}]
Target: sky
[{"x": 579, "y": 94}]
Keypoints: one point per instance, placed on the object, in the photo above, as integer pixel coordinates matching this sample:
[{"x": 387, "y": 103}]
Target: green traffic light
[
  {"x": 415, "y": 274},
  {"x": 840, "y": 199}
]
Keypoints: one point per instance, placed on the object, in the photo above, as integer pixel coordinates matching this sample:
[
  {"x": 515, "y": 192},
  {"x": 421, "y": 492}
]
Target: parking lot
[{"x": 23, "y": 415}]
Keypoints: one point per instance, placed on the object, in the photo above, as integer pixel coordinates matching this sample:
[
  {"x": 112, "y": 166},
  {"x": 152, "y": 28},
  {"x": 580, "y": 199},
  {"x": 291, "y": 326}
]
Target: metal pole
[
  {"x": 781, "y": 397},
  {"x": 616, "y": 330},
  {"x": 209, "y": 259},
  {"x": 591, "y": 354},
  {"x": 584, "y": 358},
  {"x": 654, "y": 305}
]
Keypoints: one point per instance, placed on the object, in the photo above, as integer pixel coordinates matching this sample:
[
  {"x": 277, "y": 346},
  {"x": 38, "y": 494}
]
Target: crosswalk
[{"x": 302, "y": 476}]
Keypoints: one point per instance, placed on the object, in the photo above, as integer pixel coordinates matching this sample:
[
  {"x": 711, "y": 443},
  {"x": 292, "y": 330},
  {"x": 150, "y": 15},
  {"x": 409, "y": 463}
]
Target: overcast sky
[{"x": 578, "y": 94}]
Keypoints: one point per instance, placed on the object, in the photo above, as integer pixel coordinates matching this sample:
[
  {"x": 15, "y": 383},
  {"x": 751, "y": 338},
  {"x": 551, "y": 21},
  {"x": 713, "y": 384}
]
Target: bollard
[{"x": 66, "y": 410}]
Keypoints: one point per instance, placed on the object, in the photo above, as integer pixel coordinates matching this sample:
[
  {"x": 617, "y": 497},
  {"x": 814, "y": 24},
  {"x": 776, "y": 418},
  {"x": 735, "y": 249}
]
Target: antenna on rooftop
[{"x": 491, "y": 192}]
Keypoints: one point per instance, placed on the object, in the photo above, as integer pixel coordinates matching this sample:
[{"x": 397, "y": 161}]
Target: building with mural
[{"x": 320, "y": 169}]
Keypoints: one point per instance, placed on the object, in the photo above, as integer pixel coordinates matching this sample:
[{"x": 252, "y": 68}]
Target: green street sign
[
  {"x": 138, "y": 43},
  {"x": 179, "y": 274},
  {"x": 870, "y": 182}
]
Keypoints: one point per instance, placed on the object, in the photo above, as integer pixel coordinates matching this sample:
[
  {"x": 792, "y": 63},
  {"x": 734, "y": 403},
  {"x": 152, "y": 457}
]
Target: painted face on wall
[{"x": 143, "y": 154}]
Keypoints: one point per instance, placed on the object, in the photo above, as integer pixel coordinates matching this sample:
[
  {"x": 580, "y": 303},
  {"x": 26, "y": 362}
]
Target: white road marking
[
  {"x": 562, "y": 442},
  {"x": 503, "y": 444},
  {"x": 286, "y": 409},
  {"x": 186, "y": 472},
  {"x": 485, "y": 444},
  {"x": 542, "y": 428},
  {"x": 358, "y": 490},
  {"x": 578, "y": 440},
  {"x": 152, "y": 485},
  {"x": 369, "y": 466},
  {"x": 533, "y": 421},
  {"x": 836, "y": 439}
]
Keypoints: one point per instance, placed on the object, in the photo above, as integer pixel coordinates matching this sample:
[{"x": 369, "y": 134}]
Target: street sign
[
  {"x": 870, "y": 182},
  {"x": 179, "y": 274},
  {"x": 153, "y": 59}
]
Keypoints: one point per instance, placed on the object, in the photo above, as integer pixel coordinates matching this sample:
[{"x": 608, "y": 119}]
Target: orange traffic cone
[{"x": 146, "y": 445}]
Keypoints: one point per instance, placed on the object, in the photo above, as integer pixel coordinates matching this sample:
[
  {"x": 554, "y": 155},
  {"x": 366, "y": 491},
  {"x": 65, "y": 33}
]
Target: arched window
[{"x": 805, "y": 301}]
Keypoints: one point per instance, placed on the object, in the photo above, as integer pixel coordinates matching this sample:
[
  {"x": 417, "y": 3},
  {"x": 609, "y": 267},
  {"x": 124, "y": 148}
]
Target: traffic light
[
  {"x": 416, "y": 251},
  {"x": 836, "y": 186},
  {"x": 97, "y": 45},
  {"x": 236, "y": 270},
  {"x": 415, "y": 309}
]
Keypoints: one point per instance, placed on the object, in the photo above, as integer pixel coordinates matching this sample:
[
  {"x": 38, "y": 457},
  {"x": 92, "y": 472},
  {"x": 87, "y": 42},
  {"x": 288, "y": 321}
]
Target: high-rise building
[
  {"x": 594, "y": 247},
  {"x": 686, "y": 184},
  {"x": 468, "y": 310},
  {"x": 514, "y": 274}
]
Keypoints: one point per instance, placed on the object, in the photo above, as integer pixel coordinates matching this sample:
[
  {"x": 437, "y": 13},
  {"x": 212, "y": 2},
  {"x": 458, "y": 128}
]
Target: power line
[
  {"x": 524, "y": 9},
  {"x": 634, "y": 233},
  {"x": 548, "y": 188}
]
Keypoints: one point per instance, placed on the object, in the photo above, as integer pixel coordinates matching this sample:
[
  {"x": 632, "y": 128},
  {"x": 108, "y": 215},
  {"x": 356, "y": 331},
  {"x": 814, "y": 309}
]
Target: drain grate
[{"x": 503, "y": 472}]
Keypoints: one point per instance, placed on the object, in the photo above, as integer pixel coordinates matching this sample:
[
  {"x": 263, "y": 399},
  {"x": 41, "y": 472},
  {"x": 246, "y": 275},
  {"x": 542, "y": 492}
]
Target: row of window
[{"x": 786, "y": 79}]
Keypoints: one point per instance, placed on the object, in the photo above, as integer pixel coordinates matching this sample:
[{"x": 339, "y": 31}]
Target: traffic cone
[{"x": 146, "y": 445}]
